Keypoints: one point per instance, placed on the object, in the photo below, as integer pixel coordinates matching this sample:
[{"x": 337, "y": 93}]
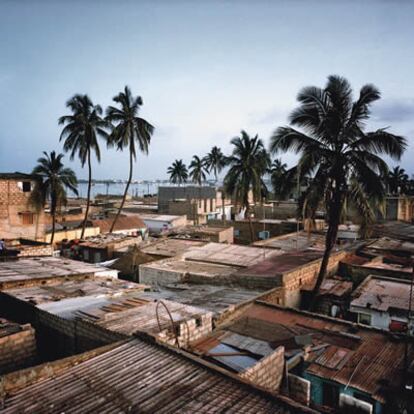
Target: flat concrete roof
[
  {"x": 230, "y": 254},
  {"x": 171, "y": 247},
  {"x": 278, "y": 265},
  {"x": 294, "y": 241},
  {"x": 382, "y": 294},
  {"x": 188, "y": 267},
  {"x": 159, "y": 217}
]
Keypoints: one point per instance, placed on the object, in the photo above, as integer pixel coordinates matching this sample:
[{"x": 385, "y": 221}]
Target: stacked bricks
[{"x": 268, "y": 372}]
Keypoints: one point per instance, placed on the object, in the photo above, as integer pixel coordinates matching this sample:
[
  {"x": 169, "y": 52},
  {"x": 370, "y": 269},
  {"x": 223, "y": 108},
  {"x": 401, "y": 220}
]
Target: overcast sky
[{"x": 205, "y": 69}]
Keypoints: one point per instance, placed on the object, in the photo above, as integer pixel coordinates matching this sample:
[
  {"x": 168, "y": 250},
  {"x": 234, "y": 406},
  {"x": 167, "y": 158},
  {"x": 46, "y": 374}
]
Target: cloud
[{"x": 394, "y": 111}]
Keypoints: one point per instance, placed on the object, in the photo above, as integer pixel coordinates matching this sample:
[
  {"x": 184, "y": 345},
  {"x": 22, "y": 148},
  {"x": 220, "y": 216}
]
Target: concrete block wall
[
  {"x": 36, "y": 251},
  {"x": 299, "y": 389},
  {"x": 268, "y": 372},
  {"x": 153, "y": 276},
  {"x": 18, "y": 350},
  {"x": 189, "y": 331}
]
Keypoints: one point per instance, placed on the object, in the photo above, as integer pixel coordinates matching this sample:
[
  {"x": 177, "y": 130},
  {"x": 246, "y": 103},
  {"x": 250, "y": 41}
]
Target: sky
[{"x": 205, "y": 70}]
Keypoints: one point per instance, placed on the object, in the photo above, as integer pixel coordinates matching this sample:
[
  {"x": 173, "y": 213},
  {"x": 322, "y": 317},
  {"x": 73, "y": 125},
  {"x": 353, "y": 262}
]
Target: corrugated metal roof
[
  {"x": 364, "y": 357},
  {"x": 139, "y": 377}
]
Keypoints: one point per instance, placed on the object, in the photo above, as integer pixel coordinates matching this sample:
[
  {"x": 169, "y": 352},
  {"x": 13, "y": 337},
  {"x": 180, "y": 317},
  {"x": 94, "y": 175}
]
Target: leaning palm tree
[
  {"x": 128, "y": 131},
  {"x": 54, "y": 180},
  {"x": 81, "y": 131},
  {"x": 343, "y": 160},
  {"x": 178, "y": 172},
  {"x": 248, "y": 163},
  {"x": 198, "y": 170},
  {"x": 398, "y": 180},
  {"x": 215, "y": 161}
]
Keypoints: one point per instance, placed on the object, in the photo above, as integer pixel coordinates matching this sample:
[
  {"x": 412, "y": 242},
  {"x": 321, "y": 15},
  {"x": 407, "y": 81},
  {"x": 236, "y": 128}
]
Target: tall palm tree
[
  {"x": 277, "y": 172},
  {"x": 344, "y": 161},
  {"x": 178, "y": 172},
  {"x": 198, "y": 170},
  {"x": 128, "y": 131},
  {"x": 248, "y": 163},
  {"x": 398, "y": 180},
  {"x": 55, "y": 179},
  {"x": 215, "y": 161},
  {"x": 80, "y": 132}
]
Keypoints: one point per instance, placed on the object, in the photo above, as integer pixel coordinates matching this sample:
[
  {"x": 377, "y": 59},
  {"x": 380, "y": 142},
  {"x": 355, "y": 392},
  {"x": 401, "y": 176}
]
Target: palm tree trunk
[
  {"x": 223, "y": 217},
  {"x": 331, "y": 235},
  {"x": 250, "y": 225},
  {"x": 52, "y": 238},
  {"x": 88, "y": 197},
  {"x": 131, "y": 160}
]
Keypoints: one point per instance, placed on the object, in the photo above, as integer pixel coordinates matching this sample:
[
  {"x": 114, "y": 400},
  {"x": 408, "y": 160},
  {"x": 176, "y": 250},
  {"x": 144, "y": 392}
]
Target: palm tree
[
  {"x": 81, "y": 131},
  {"x": 128, "y": 131},
  {"x": 55, "y": 179},
  {"x": 178, "y": 172},
  {"x": 248, "y": 163},
  {"x": 343, "y": 160},
  {"x": 198, "y": 170},
  {"x": 215, "y": 161},
  {"x": 398, "y": 180},
  {"x": 277, "y": 172}
]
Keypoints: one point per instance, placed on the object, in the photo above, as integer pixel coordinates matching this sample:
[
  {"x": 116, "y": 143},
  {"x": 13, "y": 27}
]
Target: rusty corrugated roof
[{"x": 139, "y": 377}]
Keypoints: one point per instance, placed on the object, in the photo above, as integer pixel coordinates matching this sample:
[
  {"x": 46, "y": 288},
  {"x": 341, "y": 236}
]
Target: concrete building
[
  {"x": 161, "y": 223},
  {"x": 138, "y": 376},
  {"x": 382, "y": 302},
  {"x": 263, "y": 229},
  {"x": 198, "y": 203},
  {"x": 18, "y": 217},
  {"x": 100, "y": 248}
]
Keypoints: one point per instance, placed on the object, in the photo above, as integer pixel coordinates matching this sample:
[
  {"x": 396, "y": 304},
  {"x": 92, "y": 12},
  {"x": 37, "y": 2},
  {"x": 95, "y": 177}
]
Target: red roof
[{"x": 123, "y": 223}]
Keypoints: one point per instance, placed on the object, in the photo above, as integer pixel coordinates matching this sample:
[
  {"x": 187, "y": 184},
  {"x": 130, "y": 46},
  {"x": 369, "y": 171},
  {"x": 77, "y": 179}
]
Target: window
[
  {"x": 364, "y": 318},
  {"x": 177, "y": 329},
  {"x": 26, "y": 186},
  {"x": 198, "y": 322},
  {"x": 27, "y": 218}
]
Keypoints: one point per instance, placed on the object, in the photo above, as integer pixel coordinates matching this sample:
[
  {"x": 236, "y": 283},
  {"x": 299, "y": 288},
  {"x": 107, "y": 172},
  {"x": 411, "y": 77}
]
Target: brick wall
[
  {"x": 268, "y": 372},
  {"x": 18, "y": 350},
  {"x": 13, "y": 202},
  {"x": 289, "y": 294},
  {"x": 299, "y": 389},
  {"x": 57, "y": 337}
]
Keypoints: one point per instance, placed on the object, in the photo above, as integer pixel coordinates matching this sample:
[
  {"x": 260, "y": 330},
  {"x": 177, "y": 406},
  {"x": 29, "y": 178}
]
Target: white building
[{"x": 382, "y": 302}]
